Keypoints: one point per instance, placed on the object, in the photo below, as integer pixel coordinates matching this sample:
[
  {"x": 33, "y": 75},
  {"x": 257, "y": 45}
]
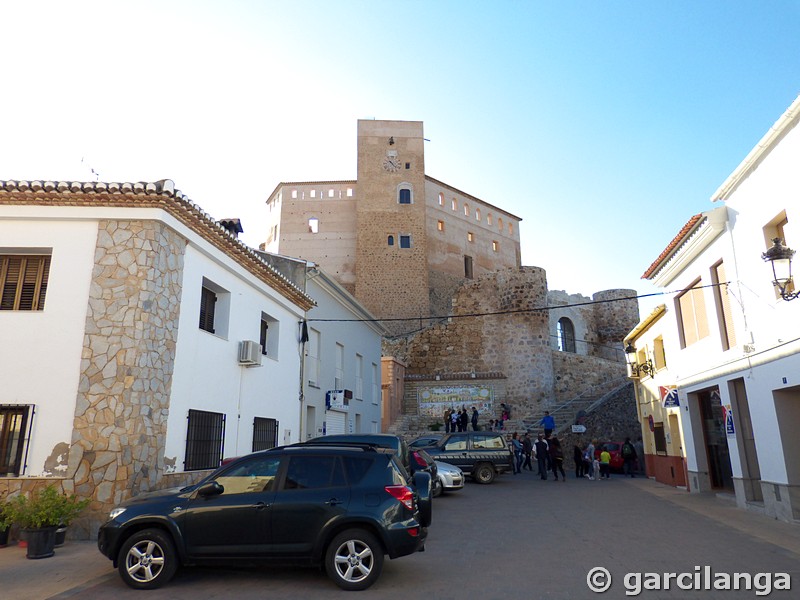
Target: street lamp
[
  {"x": 780, "y": 257},
  {"x": 638, "y": 369}
]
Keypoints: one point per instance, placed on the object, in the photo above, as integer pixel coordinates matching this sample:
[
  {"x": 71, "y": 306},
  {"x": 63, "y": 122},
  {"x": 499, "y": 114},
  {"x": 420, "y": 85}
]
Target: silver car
[{"x": 451, "y": 478}]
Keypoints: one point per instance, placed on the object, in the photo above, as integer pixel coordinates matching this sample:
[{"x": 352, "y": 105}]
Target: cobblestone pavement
[{"x": 517, "y": 538}]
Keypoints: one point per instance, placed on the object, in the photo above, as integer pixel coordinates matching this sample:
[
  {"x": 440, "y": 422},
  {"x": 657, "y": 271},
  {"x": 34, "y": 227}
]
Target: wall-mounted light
[
  {"x": 780, "y": 257},
  {"x": 638, "y": 369}
]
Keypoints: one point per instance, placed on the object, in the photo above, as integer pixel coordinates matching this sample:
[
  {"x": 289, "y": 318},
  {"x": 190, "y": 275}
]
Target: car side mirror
[{"x": 212, "y": 488}]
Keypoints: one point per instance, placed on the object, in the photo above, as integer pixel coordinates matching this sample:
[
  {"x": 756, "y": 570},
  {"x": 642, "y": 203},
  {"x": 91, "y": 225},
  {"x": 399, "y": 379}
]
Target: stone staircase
[
  {"x": 411, "y": 426},
  {"x": 566, "y": 414}
]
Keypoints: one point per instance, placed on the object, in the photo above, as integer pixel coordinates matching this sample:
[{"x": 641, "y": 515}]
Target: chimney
[{"x": 234, "y": 226}]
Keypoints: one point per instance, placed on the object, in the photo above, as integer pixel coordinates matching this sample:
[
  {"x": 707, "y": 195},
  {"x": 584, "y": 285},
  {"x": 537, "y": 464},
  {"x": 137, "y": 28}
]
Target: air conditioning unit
[{"x": 250, "y": 353}]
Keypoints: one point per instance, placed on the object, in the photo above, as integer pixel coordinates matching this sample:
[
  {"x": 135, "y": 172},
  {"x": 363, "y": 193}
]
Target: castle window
[
  {"x": 349, "y": 192},
  {"x": 330, "y": 193},
  {"x": 495, "y": 246},
  {"x": 500, "y": 225},
  {"x": 313, "y": 225},
  {"x": 408, "y": 165},
  {"x": 390, "y": 240},
  {"x": 454, "y": 204},
  {"x": 294, "y": 193},
  {"x": 566, "y": 335},
  {"x": 510, "y": 229},
  {"x": 466, "y": 210},
  {"x": 404, "y": 196},
  {"x": 470, "y": 236},
  {"x": 405, "y": 241},
  {"x": 313, "y": 194},
  {"x": 468, "y": 267},
  {"x": 477, "y": 214},
  {"x": 440, "y": 225},
  {"x": 489, "y": 219},
  {"x": 441, "y": 199}
]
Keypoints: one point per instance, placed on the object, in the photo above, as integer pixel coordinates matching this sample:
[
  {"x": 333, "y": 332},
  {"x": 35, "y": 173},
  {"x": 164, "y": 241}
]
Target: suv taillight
[
  {"x": 403, "y": 494},
  {"x": 419, "y": 460}
]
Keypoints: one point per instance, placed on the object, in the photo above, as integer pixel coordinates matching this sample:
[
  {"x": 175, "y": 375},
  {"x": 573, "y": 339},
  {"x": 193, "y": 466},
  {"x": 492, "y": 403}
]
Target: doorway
[{"x": 716, "y": 440}]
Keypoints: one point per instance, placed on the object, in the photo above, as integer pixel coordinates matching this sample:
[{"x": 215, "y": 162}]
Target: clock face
[{"x": 391, "y": 164}]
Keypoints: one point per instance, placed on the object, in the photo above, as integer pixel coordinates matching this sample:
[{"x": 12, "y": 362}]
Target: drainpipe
[{"x": 301, "y": 398}]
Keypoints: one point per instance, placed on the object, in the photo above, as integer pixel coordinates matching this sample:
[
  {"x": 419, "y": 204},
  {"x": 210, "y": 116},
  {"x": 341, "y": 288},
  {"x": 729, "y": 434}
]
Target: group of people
[
  {"x": 459, "y": 419},
  {"x": 547, "y": 451},
  {"x": 549, "y": 455}
]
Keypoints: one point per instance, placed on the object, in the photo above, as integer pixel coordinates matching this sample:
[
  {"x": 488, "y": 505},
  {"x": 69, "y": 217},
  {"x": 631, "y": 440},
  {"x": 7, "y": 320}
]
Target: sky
[{"x": 604, "y": 125}]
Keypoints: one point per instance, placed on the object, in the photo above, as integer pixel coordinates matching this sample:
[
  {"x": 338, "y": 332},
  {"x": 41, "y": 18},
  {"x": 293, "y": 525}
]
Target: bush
[{"x": 44, "y": 508}]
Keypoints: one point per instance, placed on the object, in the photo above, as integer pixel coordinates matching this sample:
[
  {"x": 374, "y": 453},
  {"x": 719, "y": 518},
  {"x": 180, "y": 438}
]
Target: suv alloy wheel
[{"x": 354, "y": 559}]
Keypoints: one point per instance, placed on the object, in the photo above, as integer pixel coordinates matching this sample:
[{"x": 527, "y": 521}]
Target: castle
[{"x": 442, "y": 269}]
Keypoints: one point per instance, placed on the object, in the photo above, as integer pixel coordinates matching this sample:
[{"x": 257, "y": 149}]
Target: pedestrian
[
  {"x": 592, "y": 471},
  {"x": 629, "y": 456},
  {"x": 605, "y": 463},
  {"x": 474, "y": 419},
  {"x": 516, "y": 446},
  {"x": 447, "y": 420},
  {"x": 548, "y": 423},
  {"x": 541, "y": 455},
  {"x": 527, "y": 450},
  {"x": 453, "y": 420},
  {"x": 580, "y": 466},
  {"x": 464, "y": 419},
  {"x": 556, "y": 458},
  {"x": 490, "y": 425}
]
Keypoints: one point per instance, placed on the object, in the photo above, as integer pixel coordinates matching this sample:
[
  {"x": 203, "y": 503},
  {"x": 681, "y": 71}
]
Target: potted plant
[
  {"x": 40, "y": 514},
  {"x": 5, "y": 522}
]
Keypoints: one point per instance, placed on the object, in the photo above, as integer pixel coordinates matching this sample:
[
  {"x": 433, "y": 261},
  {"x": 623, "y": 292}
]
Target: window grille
[
  {"x": 265, "y": 433},
  {"x": 14, "y": 428},
  {"x": 204, "y": 440}
]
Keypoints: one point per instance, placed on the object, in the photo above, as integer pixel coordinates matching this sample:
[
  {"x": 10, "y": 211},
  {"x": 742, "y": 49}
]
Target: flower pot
[
  {"x": 41, "y": 542},
  {"x": 61, "y": 536},
  {"x": 4, "y": 536}
]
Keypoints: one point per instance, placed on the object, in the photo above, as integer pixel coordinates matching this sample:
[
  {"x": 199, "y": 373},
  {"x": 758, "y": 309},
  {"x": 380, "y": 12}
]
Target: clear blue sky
[{"x": 604, "y": 125}]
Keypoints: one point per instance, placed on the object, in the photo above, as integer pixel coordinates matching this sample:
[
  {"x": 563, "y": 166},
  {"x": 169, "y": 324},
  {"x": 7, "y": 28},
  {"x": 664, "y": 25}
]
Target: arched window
[
  {"x": 477, "y": 214},
  {"x": 441, "y": 199},
  {"x": 500, "y": 224},
  {"x": 454, "y": 204},
  {"x": 566, "y": 335},
  {"x": 390, "y": 240},
  {"x": 489, "y": 219},
  {"x": 466, "y": 209}
]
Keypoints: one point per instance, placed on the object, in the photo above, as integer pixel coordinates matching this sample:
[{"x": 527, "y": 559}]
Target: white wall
[
  {"x": 357, "y": 338},
  {"x": 207, "y": 373},
  {"x": 40, "y": 351}
]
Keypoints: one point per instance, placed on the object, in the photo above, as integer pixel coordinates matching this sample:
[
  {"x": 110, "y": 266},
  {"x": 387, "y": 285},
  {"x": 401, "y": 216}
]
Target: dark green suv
[
  {"x": 480, "y": 454},
  {"x": 343, "y": 507}
]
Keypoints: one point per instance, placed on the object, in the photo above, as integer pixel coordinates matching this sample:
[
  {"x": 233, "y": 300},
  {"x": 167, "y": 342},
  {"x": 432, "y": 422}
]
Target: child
[
  {"x": 595, "y": 470},
  {"x": 605, "y": 464}
]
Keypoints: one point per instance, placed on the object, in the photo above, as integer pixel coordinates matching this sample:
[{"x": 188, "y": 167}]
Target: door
[
  {"x": 454, "y": 451},
  {"x": 314, "y": 493},
  {"x": 716, "y": 439},
  {"x": 236, "y": 522}
]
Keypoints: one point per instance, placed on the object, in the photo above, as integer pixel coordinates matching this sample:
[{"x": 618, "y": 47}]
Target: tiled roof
[
  {"x": 159, "y": 194},
  {"x": 673, "y": 245}
]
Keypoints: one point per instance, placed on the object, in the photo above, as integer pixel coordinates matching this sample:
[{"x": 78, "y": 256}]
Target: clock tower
[{"x": 391, "y": 247}]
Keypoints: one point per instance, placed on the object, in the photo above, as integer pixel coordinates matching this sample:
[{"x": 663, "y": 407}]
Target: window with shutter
[
  {"x": 208, "y": 300},
  {"x": 23, "y": 281}
]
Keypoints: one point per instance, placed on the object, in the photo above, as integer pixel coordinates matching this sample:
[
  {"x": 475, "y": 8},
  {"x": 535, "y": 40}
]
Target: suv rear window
[
  {"x": 311, "y": 472},
  {"x": 487, "y": 441},
  {"x": 356, "y": 468},
  {"x": 399, "y": 476}
]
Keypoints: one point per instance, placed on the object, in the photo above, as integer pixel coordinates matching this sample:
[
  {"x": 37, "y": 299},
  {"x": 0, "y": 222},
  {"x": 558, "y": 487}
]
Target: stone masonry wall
[{"x": 128, "y": 357}]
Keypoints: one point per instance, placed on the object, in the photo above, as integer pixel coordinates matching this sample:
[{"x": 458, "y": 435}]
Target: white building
[
  {"x": 730, "y": 341},
  {"x": 123, "y": 312},
  {"x": 343, "y": 362}
]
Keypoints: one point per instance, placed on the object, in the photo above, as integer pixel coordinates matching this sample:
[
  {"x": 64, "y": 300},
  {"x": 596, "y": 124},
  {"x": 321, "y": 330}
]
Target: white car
[{"x": 451, "y": 478}]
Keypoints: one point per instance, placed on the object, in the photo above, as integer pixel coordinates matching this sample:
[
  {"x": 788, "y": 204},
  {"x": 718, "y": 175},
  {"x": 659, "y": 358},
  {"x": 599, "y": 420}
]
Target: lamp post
[
  {"x": 780, "y": 257},
  {"x": 638, "y": 369}
]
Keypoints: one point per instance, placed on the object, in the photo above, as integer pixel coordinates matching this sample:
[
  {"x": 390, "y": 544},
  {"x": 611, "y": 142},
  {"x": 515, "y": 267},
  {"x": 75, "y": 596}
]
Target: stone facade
[{"x": 129, "y": 352}]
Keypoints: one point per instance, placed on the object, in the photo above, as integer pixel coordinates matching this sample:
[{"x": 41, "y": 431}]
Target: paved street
[{"x": 517, "y": 538}]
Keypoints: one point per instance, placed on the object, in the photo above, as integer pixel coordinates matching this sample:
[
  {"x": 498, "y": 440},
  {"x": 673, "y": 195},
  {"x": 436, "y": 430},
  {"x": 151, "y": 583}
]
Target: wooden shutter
[
  {"x": 208, "y": 301},
  {"x": 23, "y": 282}
]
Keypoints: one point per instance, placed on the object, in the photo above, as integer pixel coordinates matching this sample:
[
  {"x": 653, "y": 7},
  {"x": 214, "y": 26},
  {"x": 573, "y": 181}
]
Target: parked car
[
  {"x": 451, "y": 478},
  {"x": 480, "y": 454},
  {"x": 615, "y": 450},
  {"x": 343, "y": 507},
  {"x": 425, "y": 441},
  {"x": 412, "y": 462}
]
